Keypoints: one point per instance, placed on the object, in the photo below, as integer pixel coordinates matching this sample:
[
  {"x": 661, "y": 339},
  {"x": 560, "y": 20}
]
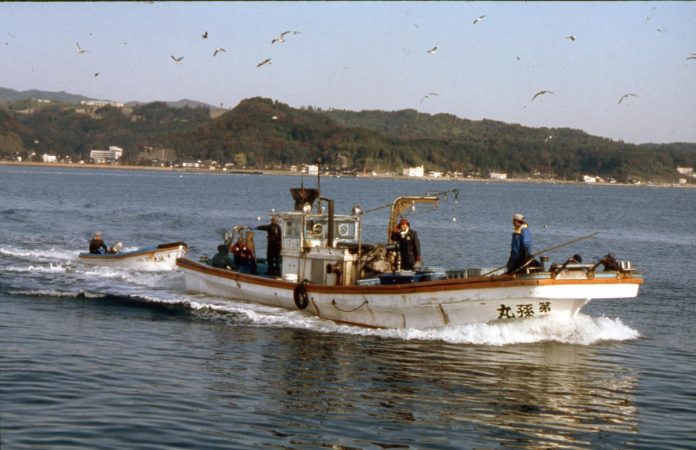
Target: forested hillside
[{"x": 261, "y": 133}]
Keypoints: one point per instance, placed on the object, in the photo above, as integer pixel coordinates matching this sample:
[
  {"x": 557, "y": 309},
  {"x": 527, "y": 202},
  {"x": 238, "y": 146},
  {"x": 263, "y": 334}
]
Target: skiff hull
[
  {"x": 153, "y": 258},
  {"x": 423, "y": 305}
]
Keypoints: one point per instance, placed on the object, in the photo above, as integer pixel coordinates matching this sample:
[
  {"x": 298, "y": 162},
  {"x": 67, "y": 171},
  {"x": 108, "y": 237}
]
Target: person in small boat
[
  {"x": 521, "y": 245},
  {"x": 222, "y": 258},
  {"x": 408, "y": 244},
  {"x": 97, "y": 245},
  {"x": 243, "y": 255},
  {"x": 275, "y": 241}
]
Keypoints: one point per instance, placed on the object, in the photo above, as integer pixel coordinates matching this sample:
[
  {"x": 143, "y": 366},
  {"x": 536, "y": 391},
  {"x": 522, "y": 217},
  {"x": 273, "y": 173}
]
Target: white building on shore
[
  {"x": 111, "y": 155},
  {"x": 101, "y": 103},
  {"x": 413, "y": 171}
]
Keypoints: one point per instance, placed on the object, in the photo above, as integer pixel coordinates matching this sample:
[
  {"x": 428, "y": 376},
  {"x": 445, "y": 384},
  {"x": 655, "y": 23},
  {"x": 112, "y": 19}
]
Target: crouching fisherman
[
  {"x": 243, "y": 252},
  {"x": 222, "y": 260}
]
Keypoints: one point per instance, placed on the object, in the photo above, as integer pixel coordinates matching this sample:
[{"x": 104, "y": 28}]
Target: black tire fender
[{"x": 299, "y": 294}]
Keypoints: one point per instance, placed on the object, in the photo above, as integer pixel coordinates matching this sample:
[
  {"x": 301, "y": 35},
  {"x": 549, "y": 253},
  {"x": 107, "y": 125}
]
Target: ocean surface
[{"x": 95, "y": 358}]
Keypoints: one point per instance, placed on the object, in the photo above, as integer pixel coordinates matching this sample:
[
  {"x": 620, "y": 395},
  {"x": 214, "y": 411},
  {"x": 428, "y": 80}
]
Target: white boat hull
[
  {"x": 155, "y": 258},
  {"x": 430, "y": 304}
]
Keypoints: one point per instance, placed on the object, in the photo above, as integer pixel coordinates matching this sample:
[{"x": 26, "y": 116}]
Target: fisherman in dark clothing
[
  {"x": 97, "y": 244},
  {"x": 222, "y": 259},
  {"x": 408, "y": 244},
  {"x": 275, "y": 240}
]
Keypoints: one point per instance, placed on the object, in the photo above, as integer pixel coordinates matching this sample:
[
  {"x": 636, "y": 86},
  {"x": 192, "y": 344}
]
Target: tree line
[{"x": 261, "y": 133}]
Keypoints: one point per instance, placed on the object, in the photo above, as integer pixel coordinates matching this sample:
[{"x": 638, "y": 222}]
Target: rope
[{"x": 333, "y": 302}]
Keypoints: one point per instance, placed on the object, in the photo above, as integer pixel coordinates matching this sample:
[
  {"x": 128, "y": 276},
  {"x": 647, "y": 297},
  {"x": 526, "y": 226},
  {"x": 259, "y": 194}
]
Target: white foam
[
  {"x": 39, "y": 255},
  {"x": 53, "y": 293},
  {"x": 581, "y": 330},
  {"x": 50, "y": 268}
]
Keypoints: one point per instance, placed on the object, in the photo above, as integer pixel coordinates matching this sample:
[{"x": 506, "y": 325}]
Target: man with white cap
[{"x": 521, "y": 246}]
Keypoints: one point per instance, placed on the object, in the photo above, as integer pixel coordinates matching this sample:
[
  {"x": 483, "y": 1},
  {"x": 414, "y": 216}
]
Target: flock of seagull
[
  {"x": 281, "y": 38},
  {"x": 570, "y": 37},
  {"x": 178, "y": 59}
]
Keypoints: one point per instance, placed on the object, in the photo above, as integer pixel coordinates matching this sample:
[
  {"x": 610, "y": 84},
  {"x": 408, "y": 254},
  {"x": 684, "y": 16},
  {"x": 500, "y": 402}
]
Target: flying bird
[
  {"x": 96, "y": 74},
  {"x": 479, "y": 19},
  {"x": 280, "y": 39},
  {"x": 177, "y": 60},
  {"x": 693, "y": 56},
  {"x": 11, "y": 35},
  {"x": 548, "y": 139},
  {"x": 80, "y": 50},
  {"x": 652, "y": 12},
  {"x": 204, "y": 35},
  {"x": 433, "y": 50},
  {"x": 540, "y": 93},
  {"x": 218, "y": 50},
  {"x": 265, "y": 61},
  {"x": 626, "y": 95},
  {"x": 429, "y": 95},
  {"x": 571, "y": 37}
]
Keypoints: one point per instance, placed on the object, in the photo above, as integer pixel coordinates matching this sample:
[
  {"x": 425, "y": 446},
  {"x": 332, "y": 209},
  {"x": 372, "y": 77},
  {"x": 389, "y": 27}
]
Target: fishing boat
[
  {"x": 327, "y": 271},
  {"x": 151, "y": 258}
]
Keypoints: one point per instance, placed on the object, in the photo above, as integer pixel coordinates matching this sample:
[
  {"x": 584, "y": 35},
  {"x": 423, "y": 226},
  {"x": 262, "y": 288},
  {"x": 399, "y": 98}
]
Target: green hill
[{"x": 261, "y": 133}]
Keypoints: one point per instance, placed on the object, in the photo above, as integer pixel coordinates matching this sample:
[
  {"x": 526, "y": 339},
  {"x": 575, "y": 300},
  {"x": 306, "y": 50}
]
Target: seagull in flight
[
  {"x": 652, "y": 12},
  {"x": 96, "y": 74},
  {"x": 428, "y": 96},
  {"x": 691, "y": 56},
  {"x": 626, "y": 95},
  {"x": 204, "y": 35},
  {"x": 265, "y": 61},
  {"x": 177, "y": 60},
  {"x": 548, "y": 139},
  {"x": 571, "y": 37},
  {"x": 540, "y": 93},
  {"x": 80, "y": 50},
  {"x": 280, "y": 39},
  {"x": 479, "y": 19},
  {"x": 433, "y": 50},
  {"x": 218, "y": 50}
]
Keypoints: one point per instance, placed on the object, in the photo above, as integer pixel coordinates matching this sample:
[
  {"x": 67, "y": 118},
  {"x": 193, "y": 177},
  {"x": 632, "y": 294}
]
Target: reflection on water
[{"x": 524, "y": 396}]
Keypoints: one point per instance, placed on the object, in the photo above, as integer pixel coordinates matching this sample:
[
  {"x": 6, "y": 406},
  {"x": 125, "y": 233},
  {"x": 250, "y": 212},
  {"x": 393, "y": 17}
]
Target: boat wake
[
  {"x": 59, "y": 274},
  {"x": 49, "y": 254},
  {"x": 581, "y": 330}
]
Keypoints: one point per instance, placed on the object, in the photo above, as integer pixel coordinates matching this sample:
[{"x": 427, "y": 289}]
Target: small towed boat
[
  {"x": 151, "y": 258},
  {"x": 327, "y": 271}
]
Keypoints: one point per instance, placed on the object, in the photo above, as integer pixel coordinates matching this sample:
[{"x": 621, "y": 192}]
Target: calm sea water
[{"x": 104, "y": 358}]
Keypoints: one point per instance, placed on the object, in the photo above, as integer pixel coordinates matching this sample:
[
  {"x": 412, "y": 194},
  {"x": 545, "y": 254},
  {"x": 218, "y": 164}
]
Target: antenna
[{"x": 319, "y": 185}]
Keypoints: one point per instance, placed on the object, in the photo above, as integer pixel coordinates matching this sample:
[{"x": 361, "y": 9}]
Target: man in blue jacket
[{"x": 521, "y": 246}]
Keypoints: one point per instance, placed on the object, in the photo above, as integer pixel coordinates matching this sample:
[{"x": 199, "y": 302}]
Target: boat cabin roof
[{"x": 313, "y": 229}]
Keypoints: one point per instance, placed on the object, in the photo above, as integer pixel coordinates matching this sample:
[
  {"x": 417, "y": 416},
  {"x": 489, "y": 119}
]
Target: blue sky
[{"x": 373, "y": 55}]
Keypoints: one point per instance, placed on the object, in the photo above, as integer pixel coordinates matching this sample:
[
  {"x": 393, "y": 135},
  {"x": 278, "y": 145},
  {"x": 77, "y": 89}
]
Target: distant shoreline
[{"x": 289, "y": 173}]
